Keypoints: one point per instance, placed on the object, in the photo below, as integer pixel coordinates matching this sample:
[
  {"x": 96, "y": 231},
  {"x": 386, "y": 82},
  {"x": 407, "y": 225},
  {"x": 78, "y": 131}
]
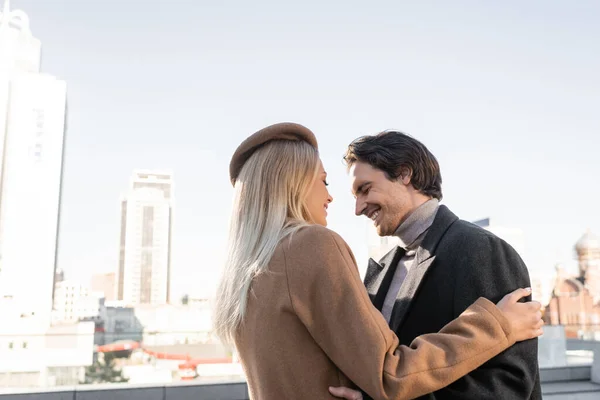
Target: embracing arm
[{"x": 328, "y": 297}]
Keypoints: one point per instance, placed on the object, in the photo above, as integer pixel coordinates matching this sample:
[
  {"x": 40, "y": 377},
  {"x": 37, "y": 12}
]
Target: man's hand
[{"x": 345, "y": 393}]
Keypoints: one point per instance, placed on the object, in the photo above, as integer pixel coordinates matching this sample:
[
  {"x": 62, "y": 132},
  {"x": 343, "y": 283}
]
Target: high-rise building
[
  {"x": 32, "y": 127},
  {"x": 145, "y": 243},
  {"x": 105, "y": 283}
]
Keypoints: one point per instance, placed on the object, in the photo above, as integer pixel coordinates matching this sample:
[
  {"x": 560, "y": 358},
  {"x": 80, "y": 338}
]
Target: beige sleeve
[{"x": 328, "y": 296}]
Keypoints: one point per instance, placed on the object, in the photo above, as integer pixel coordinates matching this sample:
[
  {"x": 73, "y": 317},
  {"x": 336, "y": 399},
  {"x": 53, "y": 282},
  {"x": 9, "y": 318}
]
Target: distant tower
[
  {"x": 587, "y": 249},
  {"x": 144, "y": 270}
]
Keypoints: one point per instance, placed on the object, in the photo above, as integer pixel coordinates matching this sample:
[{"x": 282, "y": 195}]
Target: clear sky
[{"x": 505, "y": 94}]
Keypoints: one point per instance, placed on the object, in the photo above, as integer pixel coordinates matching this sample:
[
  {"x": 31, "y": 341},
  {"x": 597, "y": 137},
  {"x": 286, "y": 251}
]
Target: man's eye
[{"x": 326, "y": 184}]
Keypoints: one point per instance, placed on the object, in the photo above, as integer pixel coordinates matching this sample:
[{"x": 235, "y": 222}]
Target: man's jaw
[{"x": 373, "y": 214}]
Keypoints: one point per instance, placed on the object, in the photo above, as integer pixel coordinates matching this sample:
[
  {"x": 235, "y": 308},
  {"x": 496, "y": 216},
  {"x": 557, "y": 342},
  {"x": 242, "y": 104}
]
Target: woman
[{"x": 292, "y": 302}]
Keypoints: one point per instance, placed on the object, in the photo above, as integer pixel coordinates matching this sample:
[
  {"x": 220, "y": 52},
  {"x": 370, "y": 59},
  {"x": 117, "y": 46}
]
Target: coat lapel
[
  {"x": 408, "y": 291},
  {"x": 376, "y": 271},
  {"x": 373, "y": 271},
  {"x": 424, "y": 259}
]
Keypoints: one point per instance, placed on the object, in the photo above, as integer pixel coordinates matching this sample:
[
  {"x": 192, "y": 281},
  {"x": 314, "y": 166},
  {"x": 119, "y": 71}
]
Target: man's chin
[{"x": 381, "y": 231}]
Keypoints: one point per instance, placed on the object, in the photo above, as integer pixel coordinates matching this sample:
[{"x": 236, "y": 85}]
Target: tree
[
  {"x": 185, "y": 299},
  {"x": 104, "y": 370}
]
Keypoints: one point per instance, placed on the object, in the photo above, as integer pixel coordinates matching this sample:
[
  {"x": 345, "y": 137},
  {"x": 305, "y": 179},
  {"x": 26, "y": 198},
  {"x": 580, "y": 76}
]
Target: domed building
[
  {"x": 575, "y": 301},
  {"x": 589, "y": 244}
]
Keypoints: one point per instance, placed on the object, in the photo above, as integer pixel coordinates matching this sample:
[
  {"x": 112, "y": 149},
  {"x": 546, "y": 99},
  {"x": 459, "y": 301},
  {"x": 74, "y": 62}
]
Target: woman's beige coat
[{"x": 310, "y": 324}]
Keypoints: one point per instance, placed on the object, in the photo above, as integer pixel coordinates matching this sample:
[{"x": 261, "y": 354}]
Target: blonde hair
[{"x": 269, "y": 204}]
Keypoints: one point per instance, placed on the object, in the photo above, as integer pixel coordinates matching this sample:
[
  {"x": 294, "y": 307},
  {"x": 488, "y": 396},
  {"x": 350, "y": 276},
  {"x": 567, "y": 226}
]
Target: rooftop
[{"x": 558, "y": 383}]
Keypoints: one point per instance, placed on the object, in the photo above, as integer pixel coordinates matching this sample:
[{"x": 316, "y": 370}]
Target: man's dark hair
[{"x": 392, "y": 152}]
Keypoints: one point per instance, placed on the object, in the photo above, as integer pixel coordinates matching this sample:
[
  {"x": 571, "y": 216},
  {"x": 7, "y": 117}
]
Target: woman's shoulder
[
  {"x": 315, "y": 252},
  {"x": 313, "y": 239},
  {"x": 314, "y": 234}
]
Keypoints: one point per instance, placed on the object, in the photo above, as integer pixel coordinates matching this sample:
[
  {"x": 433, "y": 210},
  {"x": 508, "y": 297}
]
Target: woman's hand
[
  {"x": 525, "y": 318},
  {"x": 345, "y": 393}
]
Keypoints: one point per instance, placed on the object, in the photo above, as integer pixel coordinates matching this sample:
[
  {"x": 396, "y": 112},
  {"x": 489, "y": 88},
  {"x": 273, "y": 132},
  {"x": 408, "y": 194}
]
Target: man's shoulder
[
  {"x": 483, "y": 263},
  {"x": 448, "y": 228},
  {"x": 464, "y": 236},
  {"x": 468, "y": 231}
]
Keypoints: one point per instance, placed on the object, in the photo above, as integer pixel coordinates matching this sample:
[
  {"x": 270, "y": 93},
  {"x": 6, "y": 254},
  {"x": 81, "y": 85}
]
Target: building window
[
  {"x": 24, "y": 345},
  {"x": 11, "y": 345}
]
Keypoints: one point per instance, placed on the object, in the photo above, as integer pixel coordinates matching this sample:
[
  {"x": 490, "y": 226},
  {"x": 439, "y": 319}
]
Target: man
[{"x": 442, "y": 265}]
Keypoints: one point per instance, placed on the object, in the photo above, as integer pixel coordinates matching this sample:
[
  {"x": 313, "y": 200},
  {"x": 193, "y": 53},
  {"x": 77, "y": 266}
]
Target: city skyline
[
  {"x": 513, "y": 126},
  {"x": 107, "y": 266}
]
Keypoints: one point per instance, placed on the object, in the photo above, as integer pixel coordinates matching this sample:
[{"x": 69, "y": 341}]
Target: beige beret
[{"x": 281, "y": 131}]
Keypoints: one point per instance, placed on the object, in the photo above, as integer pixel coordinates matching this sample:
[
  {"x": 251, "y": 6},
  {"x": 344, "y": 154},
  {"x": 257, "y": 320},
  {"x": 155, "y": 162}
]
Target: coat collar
[
  {"x": 424, "y": 259},
  {"x": 443, "y": 219}
]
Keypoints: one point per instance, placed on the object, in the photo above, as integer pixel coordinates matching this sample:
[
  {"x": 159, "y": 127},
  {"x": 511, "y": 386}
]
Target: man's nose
[{"x": 360, "y": 207}]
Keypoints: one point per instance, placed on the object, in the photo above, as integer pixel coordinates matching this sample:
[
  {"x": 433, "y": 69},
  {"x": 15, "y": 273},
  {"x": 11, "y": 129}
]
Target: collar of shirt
[{"x": 411, "y": 231}]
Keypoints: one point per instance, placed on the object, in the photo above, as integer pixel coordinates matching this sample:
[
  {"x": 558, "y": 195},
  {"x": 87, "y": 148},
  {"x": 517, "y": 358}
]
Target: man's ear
[{"x": 405, "y": 175}]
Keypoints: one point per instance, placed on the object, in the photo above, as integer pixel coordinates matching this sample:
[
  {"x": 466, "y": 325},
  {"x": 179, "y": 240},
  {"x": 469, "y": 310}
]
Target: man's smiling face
[{"x": 387, "y": 203}]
